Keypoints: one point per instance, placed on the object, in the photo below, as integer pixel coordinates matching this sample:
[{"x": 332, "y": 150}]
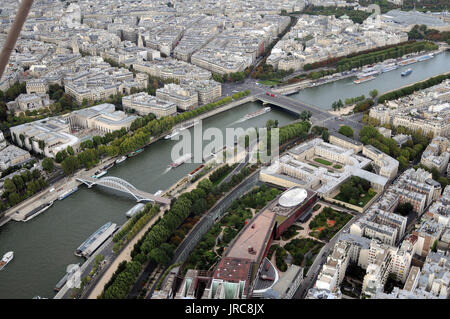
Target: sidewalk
[{"x": 125, "y": 254}]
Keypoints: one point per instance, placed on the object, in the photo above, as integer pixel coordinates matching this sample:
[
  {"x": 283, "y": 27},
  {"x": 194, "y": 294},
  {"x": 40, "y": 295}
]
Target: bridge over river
[
  {"x": 294, "y": 106},
  {"x": 121, "y": 185}
]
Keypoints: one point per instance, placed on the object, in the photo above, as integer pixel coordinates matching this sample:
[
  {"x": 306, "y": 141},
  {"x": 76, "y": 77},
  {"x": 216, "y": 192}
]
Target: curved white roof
[{"x": 293, "y": 197}]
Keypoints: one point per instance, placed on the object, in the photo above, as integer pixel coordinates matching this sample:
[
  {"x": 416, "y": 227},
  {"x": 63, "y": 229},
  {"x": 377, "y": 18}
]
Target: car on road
[{"x": 267, "y": 93}]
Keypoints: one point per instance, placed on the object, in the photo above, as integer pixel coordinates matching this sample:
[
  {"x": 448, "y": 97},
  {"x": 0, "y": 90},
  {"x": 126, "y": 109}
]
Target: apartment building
[
  {"x": 384, "y": 164},
  {"x": 12, "y": 156},
  {"x": 333, "y": 271},
  {"x": 144, "y": 104},
  {"x": 36, "y": 86},
  {"x": 184, "y": 99},
  {"x": 208, "y": 90},
  {"x": 437, "y": 154}
]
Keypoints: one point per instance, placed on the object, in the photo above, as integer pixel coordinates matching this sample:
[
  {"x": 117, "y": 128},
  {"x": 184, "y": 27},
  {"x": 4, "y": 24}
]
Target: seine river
[
  {"x": 324, "y": 95},
  {"x": 44, "y": 246}
]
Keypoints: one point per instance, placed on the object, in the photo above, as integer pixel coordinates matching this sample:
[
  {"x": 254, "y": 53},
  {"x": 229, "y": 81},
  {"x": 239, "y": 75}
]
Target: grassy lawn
[
  {"x": 355, "y": 191},
  {"x": 270, "y": 82},
  {"x": 326, "y": 224},
  {"x": 322, "y": 161},
  {"x": 365, "y": 198},
  {"x": 337, "y": 166},
  {"x": 280, "y": 219}
]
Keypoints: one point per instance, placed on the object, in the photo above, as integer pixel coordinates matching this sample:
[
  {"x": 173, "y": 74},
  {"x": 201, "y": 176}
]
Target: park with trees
[
  {"x": 327, "y": 223},
  {"x": 209, "y": 250},
  {"x": 160, "y": 241},
  {"x": 355, "y": 191},
  {"x": 20, "y": 187}
]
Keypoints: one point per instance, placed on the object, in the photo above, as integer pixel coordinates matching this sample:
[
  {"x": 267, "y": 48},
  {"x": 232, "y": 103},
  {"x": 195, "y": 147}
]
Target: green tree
[
  {"x": 70, "y": 150},
  {"x": 9, "y": 186},
  {"x": 346, "y": 130},
  {"x": 373, "y": 93},
  {"x": 326, "y": 136},
  {"x": 70, "y": 165},
  {"x": 48, "y": 165},
  {"x": 403, "y": 162},
  {"x": 60, "y": 156}
]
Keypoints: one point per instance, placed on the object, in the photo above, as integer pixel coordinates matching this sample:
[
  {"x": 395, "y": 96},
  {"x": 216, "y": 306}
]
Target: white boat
[
  {"x": 159, "y": 193},
  {"x": 181, "y": 160},
  {"x": 69, "y": 192},
  {"x": 257, "y": 113},
  {"x": 134, "y": 210},
  {"x": 364, "y": 79},
  {"x": 407, "y": 72},
  {"x": 425, "y": 57},
  {"x": 120, "y": 160},
  {"x": 173, "y": 134},
  {"x": 99, "y": 174},
  {"x": 367, "y": 74},
  {"x": 6, "y": 259},
  {"x": 389, "y": 67}
]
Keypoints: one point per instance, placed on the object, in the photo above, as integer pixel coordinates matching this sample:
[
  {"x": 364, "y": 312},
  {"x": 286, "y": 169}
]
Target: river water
[
  {"x": 324, "y": 95},
  {"x": 44, "y": 246}
]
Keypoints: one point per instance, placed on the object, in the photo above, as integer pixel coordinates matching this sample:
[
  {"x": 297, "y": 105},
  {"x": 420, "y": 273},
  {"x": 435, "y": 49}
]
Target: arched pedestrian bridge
[{"x": 121, "y": 185}]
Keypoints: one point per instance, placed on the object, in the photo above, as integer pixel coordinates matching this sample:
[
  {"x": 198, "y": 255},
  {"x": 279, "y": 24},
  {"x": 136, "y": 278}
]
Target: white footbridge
[{"x": 121, "y": 185}]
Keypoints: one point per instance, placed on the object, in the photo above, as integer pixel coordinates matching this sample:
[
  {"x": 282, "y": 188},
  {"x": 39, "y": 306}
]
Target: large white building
[
  {"x": 300, "y": 168},
  {"x": 144, "y": 104},
  {"x": 102, "y": 117},
  {"x": 47, "y": 136}
]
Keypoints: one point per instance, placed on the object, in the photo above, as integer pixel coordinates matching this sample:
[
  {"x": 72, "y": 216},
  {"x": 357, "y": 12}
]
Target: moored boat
[
  {"x": 6, "y": 259},
  {"x": 180, "y": 160},
  {"x": 95, "y": 240},
  {"x": 39, "y": 210},
  {"x": 99, "y": 174},
  {"x": 135, "y": 152},
  {"x": 173, "y": 134},
  {"x": 68, "y": 193},
  {"x": 120, "y": 160}
]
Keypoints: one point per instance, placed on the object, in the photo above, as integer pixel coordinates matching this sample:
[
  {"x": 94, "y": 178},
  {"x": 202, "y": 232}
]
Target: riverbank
[
  {"x": 124, "y": 255},
  {"x": 289, "y": 89},
  {"x": 47, "y": 196},
  {"x": 343, "y": 110}
]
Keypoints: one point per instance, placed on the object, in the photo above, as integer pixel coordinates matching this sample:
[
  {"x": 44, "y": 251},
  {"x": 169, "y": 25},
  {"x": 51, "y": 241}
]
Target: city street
[{"x": 320, "y": 259}]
